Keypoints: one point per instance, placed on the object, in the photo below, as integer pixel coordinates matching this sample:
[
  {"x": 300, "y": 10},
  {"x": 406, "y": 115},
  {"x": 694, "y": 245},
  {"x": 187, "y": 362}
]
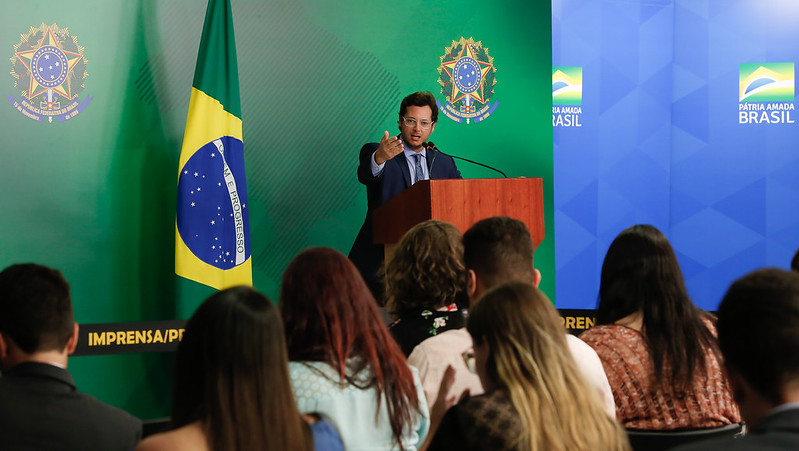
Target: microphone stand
[{"x": 430, "y": 146}]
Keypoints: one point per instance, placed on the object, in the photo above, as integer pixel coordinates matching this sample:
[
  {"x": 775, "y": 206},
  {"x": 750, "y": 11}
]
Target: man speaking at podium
[{"x": 389, "y": 167}]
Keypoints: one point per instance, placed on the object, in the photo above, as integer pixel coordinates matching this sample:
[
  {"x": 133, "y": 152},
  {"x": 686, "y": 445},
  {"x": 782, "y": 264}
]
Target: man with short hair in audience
[
  {"x": 40, "y": 408},
  {"x": 495, "y": 250},
  {"x": 758, "y": 327}
]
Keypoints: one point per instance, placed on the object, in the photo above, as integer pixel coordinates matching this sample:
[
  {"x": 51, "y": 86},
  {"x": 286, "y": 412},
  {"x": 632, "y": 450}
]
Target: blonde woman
[{"x": 535, "y": 397}]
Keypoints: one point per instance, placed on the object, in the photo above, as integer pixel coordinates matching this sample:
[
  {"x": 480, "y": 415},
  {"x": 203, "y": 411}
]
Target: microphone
[{"x": 431, "y": 146}]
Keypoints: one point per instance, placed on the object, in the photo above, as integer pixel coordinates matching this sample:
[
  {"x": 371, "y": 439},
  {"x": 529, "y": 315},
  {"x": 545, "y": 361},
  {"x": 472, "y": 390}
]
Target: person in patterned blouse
[{"x": 659, "y": 350}]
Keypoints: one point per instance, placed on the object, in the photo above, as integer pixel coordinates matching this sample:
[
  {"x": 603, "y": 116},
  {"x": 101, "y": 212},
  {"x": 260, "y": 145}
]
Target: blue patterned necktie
[{"x": 418, "y": 167}]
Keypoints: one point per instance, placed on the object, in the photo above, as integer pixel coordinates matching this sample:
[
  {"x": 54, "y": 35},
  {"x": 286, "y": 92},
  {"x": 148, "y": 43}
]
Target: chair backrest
[{"x": 663, "y": 440}]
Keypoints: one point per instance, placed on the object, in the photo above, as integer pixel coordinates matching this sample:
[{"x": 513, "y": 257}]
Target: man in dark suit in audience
[
  {"x": 758, "y": 327},
  {"x": 40, "y": 408},
  {"x": 391, "y": 166}
]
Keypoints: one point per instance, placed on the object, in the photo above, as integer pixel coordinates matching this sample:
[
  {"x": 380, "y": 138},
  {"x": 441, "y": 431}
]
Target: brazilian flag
[{"x": 212, "y": 242}]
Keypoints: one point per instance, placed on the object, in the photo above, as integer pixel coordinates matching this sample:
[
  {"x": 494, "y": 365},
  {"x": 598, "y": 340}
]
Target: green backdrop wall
[{"x": 95, "y": 196}]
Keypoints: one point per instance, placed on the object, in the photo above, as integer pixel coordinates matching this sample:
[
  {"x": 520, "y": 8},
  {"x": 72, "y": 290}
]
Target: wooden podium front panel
[
  {"x": 519, "y": 198},
  {"x": 462, "y": 202}
]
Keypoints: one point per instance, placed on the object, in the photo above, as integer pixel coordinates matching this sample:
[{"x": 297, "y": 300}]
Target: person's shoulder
[
  {"x": 448, "y": 160},
  {"x": 493, "y": 397},
  {"x": 492, "y": 410},
  {"x": 110, "y": 413},
  {"x": 432, "y": 355},
  {"x": 369, "y": 148},
  {"x": 157, "y": 442},
  {"x": 440, "y": 154},
  {"x": 578, "y": 347},
  {"x": 306, "y": 369},
  {"x": 88, "y": 410},
  {"x": 447, "y": 341},
  {"x": 460, "y": 335},
  {"x": 602, "y": 332},
  {"x": 613, "y": 339},
  {"x": 189, "y": 437}
]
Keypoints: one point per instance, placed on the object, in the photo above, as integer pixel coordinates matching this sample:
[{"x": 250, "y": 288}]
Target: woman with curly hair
[
  {"x": 425, "y": 281},
  {"x": 343, "y": 361},
  {"x": 536, "y": 399},
  {"x": 659, "y": 350}
]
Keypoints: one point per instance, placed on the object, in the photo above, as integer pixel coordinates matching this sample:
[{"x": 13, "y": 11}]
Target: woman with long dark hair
[
  {"x": 659, "y": 350},
  {"x": 343, "y": 361},
  {"x": 536, "y": 399},
  {"x": 232, "y": 389}
]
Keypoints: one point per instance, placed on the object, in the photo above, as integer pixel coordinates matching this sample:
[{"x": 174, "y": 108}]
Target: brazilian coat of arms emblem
[
  {"x": 49, "y": 69},
  {"x": 467, "y": 79}
]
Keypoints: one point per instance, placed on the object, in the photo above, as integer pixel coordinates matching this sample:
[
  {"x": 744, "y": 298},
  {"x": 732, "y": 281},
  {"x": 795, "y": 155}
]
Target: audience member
[
  {"x": 232, "y": 388},
  {"x": 795, "y": 261},
  {"x": 343, "y": 361},
  {"x": 496, "y": 250},
  {"x": 535, "y": 398},
  {"x": 759, "y": 339},
  {"x": 659, "y": 350},
  {"x": 425, "y": 279},
  {"x": 40, "y": 407}
]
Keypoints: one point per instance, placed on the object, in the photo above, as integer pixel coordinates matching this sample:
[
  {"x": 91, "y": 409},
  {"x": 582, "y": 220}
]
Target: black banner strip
[
  {"x": 577, "y": 321},
  {"x": 164, "y": 336},
  {"x": 122, "y": 338}
]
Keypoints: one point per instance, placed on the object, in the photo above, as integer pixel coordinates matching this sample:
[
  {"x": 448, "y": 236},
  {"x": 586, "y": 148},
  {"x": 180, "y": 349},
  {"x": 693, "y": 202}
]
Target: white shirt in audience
[{"x": 432, "y": 356}]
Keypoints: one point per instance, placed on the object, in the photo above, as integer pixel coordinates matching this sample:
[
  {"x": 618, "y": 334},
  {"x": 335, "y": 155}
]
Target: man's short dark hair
[
  {"x": 499, "y": 249},
  {"x": 35, "y": 307},
  {"x": 758, "y": 327},
  {"x": 420, "y": 98}
]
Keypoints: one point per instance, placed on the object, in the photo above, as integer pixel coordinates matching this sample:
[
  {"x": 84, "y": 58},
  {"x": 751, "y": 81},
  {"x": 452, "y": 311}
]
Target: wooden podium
[{"x": 461, "y": 202}]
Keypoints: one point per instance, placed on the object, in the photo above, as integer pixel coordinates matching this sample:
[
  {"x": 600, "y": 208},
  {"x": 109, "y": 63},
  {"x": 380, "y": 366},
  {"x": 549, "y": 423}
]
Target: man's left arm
[
  {"x": 456, "y": 174},
  {"x": 443, "y": 166},
  {"x": 452, "y": 170}
]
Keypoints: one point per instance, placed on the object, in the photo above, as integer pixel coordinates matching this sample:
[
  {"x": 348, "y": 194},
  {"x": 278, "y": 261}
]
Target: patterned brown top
[
  {"x": 625, "y": 356},
  {"x": 485, "y": 422}
]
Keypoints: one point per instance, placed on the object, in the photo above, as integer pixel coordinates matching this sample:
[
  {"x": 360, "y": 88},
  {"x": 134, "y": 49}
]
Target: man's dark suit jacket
[
  {"x": 40, "y": 409},
  {"x": 394, "y": 179},
  {"x": 776, "y": 432}
]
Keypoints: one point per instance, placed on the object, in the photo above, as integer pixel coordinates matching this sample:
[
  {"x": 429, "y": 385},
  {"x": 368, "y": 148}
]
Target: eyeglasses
[
  {"x": 410, "y": 122},
  {"x": 468, "y": 359}
]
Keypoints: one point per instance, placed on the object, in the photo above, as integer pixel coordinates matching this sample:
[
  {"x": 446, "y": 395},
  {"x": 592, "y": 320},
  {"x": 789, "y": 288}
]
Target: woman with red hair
[{"x": 343, "y": 361}]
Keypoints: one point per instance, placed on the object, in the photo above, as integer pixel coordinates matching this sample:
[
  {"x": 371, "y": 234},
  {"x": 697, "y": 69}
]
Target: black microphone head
[{"x": 430, "y": 145}]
